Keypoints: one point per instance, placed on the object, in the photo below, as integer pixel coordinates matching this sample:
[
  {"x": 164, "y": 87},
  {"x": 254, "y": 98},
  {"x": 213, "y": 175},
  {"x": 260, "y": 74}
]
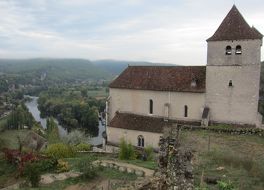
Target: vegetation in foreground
[{"x": 234, "y": 159}]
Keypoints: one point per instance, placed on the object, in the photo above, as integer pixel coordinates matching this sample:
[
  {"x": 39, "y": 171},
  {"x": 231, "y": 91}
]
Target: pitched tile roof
[
  {"x": 234, "y": 27},
  {"x": 144, "y": 123},
  {"x": 162, "y": 78}
]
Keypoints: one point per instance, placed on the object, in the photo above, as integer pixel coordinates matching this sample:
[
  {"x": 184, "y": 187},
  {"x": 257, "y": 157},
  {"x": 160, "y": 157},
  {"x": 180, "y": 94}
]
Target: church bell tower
[{"x": 233, "y": 72}]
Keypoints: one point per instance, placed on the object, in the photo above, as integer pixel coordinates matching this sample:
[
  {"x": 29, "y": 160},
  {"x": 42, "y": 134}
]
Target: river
[{"x": 32, "y": 106}]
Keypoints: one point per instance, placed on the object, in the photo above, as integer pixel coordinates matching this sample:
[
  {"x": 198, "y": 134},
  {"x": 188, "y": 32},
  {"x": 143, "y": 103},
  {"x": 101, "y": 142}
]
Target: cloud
[{"x": 158, "y": 30}]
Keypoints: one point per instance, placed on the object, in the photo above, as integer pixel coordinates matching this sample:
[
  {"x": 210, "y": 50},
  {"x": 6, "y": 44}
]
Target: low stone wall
[
  {"x": 231, "y": 131},
  {"x": 121, "y": 167}
]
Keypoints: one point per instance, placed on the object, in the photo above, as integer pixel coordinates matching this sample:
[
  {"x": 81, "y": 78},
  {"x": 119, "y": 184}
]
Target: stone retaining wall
[
  {"x": 231, "y": 131},
  {"x": 121, "y": 168}
]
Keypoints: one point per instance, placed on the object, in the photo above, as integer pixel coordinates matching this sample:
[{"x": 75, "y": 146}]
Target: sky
[{"x": 163, "y": 31}]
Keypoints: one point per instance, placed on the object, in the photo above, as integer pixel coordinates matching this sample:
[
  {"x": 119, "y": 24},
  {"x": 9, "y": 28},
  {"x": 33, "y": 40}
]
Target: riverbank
[{"x": 32, "y": 106}]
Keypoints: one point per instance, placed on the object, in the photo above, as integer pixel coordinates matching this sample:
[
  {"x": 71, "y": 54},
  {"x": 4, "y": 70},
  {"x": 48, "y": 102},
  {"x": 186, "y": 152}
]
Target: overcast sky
[{"x": 169, "y": 31}]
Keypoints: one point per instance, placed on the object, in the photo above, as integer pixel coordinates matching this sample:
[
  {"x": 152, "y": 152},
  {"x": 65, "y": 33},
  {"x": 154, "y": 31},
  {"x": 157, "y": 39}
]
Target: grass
[
  {"x": 104, "y": 173},
  {"x": 10, "y": 137},
  {"x": 74, "y": 162},
  {"x": 3, "y": 122},
  {"x": 240, "y": 156},
  {"x": 145, "y": 164},
  {"x": 7, "y": 173},
  {"x": 115, "y": 174}
]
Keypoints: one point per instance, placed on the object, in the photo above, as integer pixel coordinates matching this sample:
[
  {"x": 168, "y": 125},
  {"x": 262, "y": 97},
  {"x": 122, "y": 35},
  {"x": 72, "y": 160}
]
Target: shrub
[
  {"x": 19, "y": 159},
  {"x": 88, "y": 169},
  {"x": 83, "y": 147},
  {"x": 60, "y": 150},
  {"x": 47, "y": 165},
  {"x": 75, "y": 137},
  {"x": 225, "y": 185},
  {"x": 62, "y": 166},
  {"x": 149, "y": 153},
  {"x": 32, "y": 173},
  {"x": 127, "y": 151}
]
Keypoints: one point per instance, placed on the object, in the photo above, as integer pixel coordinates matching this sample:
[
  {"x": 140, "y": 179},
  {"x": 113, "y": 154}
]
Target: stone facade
[
  {"x": 115, "y": 135},
  {"x": 137, "y": 101},
  {"x": 237, "y": 103},
  {"x": 226, "y": 91}
]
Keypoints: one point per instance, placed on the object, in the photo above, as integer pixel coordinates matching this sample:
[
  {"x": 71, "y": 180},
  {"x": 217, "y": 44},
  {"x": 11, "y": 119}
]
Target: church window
[
  {"x": 141, "y": 142},
  {"x": 194, "y": 83},
  {"x": 228, "y": 50},
  {"x": 238, "y": 50},
  {"x": 230, "y": 83},
  {"x": 185, "y": 111},
  {"x": 151, "y": 106}
]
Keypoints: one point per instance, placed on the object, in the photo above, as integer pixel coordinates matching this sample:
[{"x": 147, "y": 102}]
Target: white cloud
[{"x": 159, "y": 31}]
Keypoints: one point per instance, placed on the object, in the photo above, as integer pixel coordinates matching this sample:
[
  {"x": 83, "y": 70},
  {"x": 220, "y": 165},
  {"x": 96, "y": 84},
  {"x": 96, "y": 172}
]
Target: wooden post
[{"x": 209, "y": 142}]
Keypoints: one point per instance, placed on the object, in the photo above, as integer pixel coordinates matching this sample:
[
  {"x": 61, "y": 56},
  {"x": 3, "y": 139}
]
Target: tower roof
[{"x": 234, "y": 27}]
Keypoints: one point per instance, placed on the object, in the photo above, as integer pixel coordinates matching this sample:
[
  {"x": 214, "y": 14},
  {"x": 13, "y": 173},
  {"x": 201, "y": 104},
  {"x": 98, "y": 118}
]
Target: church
[{"x": 225, "y": 91}]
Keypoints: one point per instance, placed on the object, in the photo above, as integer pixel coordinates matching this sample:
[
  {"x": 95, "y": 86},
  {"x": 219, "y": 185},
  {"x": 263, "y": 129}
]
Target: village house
[{"x": 143, "y": 99}]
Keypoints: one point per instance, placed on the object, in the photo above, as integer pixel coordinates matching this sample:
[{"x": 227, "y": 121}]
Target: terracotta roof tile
[
  {"x": 144, "y": 123},
  {"x": 162, "y": 78},
  {"x": 234, "y": 27}
]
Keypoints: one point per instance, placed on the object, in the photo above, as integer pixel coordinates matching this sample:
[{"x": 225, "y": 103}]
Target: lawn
[
  {"x": 10, "y": 137},
  {"x": 239, "y": 159},
  {"x": 3, "y": 122},
  {"x": 150, "y": 164}
]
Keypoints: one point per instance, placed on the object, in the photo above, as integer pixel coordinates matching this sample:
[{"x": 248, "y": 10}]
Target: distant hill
[
  {"x": 116, "y": 67},
  {"x": 62, "y": 70},
  {"x": 59, "y": 71},
  {"x": 54, "y": 69}
]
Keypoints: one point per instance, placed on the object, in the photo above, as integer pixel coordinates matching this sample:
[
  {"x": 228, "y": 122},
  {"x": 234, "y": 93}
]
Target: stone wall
[
  {"x": 137, "y": 102},
  {"x": 114, "y": 136},
  {"x": 175, "y": 164}
]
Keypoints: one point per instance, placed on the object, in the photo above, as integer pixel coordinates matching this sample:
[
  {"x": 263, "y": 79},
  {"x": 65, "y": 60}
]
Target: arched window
[
  {"x": 238, "y": 50},
  {"x": 141, "y": 142},
  {"x": 185, "y": 111},
  {"x": 230, "y": 83},
  {"x": 151, "y": 106},
  {"x": 228, "y": 50}
]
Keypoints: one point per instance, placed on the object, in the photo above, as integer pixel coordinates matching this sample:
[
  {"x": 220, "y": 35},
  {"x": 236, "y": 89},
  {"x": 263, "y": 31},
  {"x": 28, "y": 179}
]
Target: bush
[
  {"x": 32, "y": 173},
  {"x": 87, "y": 168},
  {"x": 75, "y": 137},
  {"x": 225, "y": 185},
  {"x": 83, "y": 147},
  {"x": 62, "y": 166},
  {"x": 127, "y": 151},
  {"x": 47, "y": 165},
  {"x": 60, "y": 150},
  {"x": 149, "y": 153}
]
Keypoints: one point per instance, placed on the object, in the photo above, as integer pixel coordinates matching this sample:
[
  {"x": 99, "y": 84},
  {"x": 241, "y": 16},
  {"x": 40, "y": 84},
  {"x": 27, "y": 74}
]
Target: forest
[{"x": 73, "y": 107}]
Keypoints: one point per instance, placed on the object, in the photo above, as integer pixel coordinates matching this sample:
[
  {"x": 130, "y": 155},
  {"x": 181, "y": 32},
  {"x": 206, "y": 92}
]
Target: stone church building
[{"x": 225, "y": 91}]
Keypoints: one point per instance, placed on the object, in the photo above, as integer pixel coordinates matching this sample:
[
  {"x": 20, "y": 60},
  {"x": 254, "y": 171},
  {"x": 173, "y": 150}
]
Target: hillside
[
  {"x": 116, "y": 67},
  {"x": 54, "y": 70},
  {"x": 57, "y": 71}
]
